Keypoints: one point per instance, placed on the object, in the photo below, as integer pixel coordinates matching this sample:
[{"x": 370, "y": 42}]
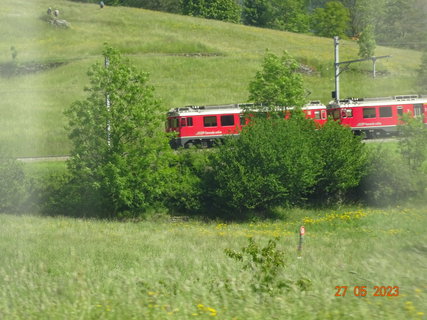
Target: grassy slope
[
  {"x": 191, "y": 61},
  {"x": 61, "y": 268}
]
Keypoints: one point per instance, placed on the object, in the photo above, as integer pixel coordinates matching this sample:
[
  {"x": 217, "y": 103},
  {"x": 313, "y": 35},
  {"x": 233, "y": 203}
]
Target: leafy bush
[
  {"x": 187, "y": 178},
  {"x": 389, "y": 180},
  {"x": 343, "y": 162},
  {"x": 273, "y": 162},
  {"x": 333, "y": 20},
  {"x": 266, "y": 265},
  {"x": 12, "y": 183},
  {"x": 225, "y": 10}
]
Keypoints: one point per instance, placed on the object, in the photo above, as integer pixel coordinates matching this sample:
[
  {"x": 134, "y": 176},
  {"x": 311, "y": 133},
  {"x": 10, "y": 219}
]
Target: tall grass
[
  {"x": 63, "y": 268},
  {"x": 191, "y": 61}
]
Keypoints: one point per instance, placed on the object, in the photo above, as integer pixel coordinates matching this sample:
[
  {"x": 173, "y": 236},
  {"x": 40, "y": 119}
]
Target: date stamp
[{"x": 363, "y": 291}]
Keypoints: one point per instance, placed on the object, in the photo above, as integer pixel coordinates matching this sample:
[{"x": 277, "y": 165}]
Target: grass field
[
  {"x": 191, "y": 61},
  {"x": 61, "y": 268}
]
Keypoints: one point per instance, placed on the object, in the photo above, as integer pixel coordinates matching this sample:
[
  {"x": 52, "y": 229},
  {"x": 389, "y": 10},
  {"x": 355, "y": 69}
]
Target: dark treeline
[{"x": 399, "y": 23}]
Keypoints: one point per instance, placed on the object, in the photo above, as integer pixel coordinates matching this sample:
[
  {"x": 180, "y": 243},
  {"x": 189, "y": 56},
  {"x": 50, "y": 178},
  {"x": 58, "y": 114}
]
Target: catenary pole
[
  {"x": 108, "y": 106},
  {"x": 336, "y": 93}
]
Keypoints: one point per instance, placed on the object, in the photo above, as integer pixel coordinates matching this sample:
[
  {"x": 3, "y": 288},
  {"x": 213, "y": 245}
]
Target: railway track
[{"x": 43, "y": 159}]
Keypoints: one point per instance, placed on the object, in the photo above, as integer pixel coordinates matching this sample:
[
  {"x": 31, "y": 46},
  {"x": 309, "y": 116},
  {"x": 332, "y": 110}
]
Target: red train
[
  {"x": 202, "y": 125},
  {"x": 377, "y": 116}
]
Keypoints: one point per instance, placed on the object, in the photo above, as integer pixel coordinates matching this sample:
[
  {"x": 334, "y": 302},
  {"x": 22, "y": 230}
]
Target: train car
[
  {"x": 377, "y": 116},
  {"x": 203, "y": 125},
  {"x": 317, "y": 111}
]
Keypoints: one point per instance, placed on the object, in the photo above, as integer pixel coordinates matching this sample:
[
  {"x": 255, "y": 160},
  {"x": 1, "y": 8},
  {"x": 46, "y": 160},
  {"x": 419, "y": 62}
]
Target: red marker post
[{"x": 301, "y": 240}]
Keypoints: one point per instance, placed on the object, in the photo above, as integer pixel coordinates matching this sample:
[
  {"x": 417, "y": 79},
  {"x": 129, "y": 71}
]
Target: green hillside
[{"x": 191, "y": 61}]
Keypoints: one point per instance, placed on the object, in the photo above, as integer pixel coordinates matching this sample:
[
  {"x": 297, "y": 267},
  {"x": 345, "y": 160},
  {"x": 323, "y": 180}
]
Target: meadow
[
  {"x": 63, "y": 268},
  {"x": 190, "y": 61}
]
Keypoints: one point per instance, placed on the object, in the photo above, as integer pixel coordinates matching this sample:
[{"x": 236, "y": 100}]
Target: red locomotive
[
  {"x": 377, "y": 116},
  {"x": 203, "y": 125}
]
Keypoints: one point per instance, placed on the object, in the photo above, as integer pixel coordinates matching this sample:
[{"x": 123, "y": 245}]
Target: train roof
[
  {"x": 229, "y": 109},
  {"x": 392, "y": 100}
]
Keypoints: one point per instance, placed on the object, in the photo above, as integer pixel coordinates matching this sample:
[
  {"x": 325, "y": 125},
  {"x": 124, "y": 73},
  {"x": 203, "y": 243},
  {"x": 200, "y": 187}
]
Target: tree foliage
[
  {"x": 404, "y": 24},
  {"x": 333, "y": 20},
  {"x": 225, "y": 10},
  {"x": 257, "y": 12},
  {"x": 278, "y": 83},
  {"x": 367, "y": 42},
  {"x": 272, "y": 163},
  {"x": 413, "y": 140},
  {"x": 118, "y": 151},
  {"x": 12, "y": 183},
  {"x": 343, "y": 161},
  {"x": 422, "y": 71},
  {"x": 289, "y": 15}
]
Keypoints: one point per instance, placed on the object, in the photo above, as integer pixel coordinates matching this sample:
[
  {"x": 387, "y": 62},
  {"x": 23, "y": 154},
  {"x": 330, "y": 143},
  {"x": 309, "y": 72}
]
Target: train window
[
  {"x": 369, "y": 113},
  {"x": 227, "y": 120},
  {"x": 173, "y": 123},
  {"x": 349, "y": 113},
  {"x": 385, "y": 112},
  {"x": 324, "y": 114},
  {"x": 336, "y": 114},
  {"x": 209, "y": 121},
  {"x": 317, "y": 114},
  {"x": 400, "y": 111},
  {"x": 418, "y": 109},
  {"x": 183, "y": 122},
  {"x": 190, "y": 122}
]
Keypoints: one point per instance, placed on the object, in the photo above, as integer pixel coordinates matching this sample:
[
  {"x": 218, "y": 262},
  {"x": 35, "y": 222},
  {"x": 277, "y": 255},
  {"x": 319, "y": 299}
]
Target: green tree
[
  {"x": 12, "y": 183},
  {"x": 278, "y": 84},
  {"x": 272, "y": 163},
  {"x": 413, "y": 140},
  {"x": 367, "y": 42},
  {"x": 118, "y": 151},
  {"x": 404, "y": 24},
  {"x": 343, "y": 161},
  {"x": 225, "y": 10},
  {"x": 333, "y": 20},
  {"x": 173, "y": 6},
  {"x": 422, "y": 71},
  {"x": 364, "y": 13},
  {"x": 289, "y": 15},
  {"x": 257, "y": 13}
]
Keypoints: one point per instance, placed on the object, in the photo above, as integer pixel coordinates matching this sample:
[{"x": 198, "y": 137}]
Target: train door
[
  {"x": 324, "y": 115},
  {"x": 418, "y": 110}
]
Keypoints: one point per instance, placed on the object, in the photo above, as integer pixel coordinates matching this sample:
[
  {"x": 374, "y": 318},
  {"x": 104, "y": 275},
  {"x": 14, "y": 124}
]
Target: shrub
[
  {"x": 12, "y": 183},
  {"x": 343, "y": 162},
  {"x": 187, "y": 178},
  {"x": 389, "y": 179},
  {"x": 271, "y": 163}
]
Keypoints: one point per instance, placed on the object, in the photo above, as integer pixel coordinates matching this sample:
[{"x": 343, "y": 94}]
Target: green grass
[
  {"x": 191, "y": 61},
  {"x": 44, "y": 168},
  {"x": 62, "y": 268}
]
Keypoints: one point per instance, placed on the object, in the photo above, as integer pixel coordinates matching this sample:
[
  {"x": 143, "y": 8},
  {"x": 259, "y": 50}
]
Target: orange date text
[{"x": 363, "y": 291}]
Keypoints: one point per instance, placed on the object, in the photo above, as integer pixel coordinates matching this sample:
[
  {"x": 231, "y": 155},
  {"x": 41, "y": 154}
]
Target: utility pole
[
  {"x": 108, "y": 106},
  {"x": 336, "y": 93}
]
